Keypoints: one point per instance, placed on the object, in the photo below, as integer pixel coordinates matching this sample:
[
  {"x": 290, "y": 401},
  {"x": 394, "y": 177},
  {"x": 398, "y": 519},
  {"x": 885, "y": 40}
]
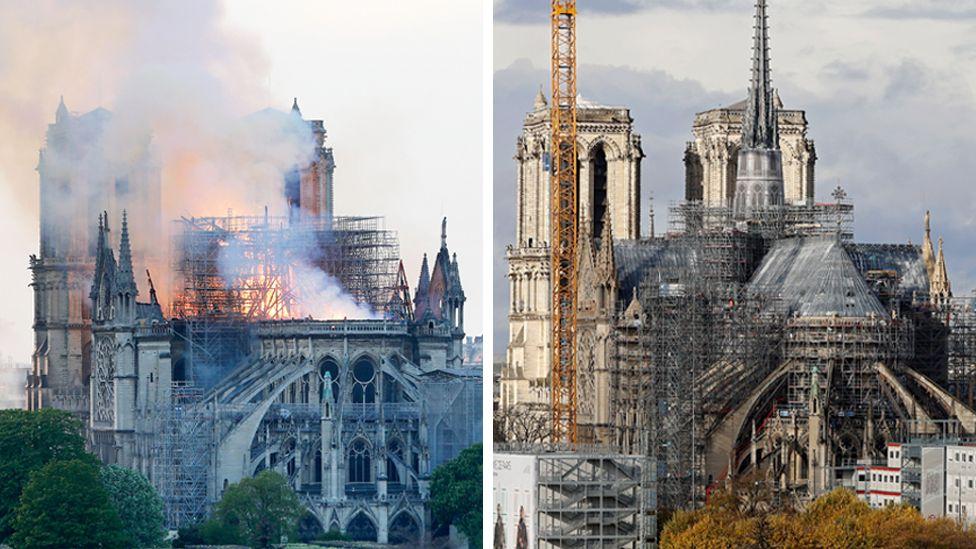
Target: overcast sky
[
  {"x": 398, "y": 84},
  {"x": 887, "y": 86}
]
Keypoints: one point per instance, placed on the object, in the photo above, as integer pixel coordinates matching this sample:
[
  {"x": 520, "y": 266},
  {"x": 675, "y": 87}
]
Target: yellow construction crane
[{"x": 563, "y": 221}]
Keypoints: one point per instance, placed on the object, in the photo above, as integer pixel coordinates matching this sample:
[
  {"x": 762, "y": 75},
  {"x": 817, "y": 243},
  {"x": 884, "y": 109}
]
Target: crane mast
[{"x": 563, "y": 220}]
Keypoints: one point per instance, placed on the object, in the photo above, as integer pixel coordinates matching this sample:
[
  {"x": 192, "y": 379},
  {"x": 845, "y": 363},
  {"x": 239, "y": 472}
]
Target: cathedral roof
[
  {"x": 656, "y": 260},
  {"x": 815, "y": 277},
  {"x": 906, "y": 260}
]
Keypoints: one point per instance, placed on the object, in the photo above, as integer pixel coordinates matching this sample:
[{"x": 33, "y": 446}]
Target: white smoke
[
  {"x": 276, "y": 269},
  {"x": 170, "y": 70}
]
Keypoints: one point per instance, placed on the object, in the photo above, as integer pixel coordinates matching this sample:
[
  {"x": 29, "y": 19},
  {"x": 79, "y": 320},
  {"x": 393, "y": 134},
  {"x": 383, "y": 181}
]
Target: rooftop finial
[
  {"x": 540, "y": 100},
  {"x": 759, "y": 127},
  {"x": 62, "y": 111},
  {"x": 444, "y": 233},
  {"x": 294, "y": 107},
  {"x": 126, "y": 278}
]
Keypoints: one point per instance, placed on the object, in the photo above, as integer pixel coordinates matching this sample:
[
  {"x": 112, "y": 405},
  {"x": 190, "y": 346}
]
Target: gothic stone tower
[
  {"x": 712, "y": 159},
  {"x": 309, "y": 190},
  {"x": 131, "y": 372},
  {"x": 752, "y": 153},
  {"x": 79, "y": 177},
  {"x": 609, "y": 192}
]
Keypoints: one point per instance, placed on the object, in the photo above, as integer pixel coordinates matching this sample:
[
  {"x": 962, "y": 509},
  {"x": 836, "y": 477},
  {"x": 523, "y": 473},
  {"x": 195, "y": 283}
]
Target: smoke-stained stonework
[{"x": 290, "y": 343}]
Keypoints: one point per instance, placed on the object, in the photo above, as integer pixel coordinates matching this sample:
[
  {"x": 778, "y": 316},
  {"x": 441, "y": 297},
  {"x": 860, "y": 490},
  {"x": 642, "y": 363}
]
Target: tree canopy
[
  {"x": 256, "y": 511},
  {"x": 455, "y": 493},
  {"x": 837, "y": 519},
  {"x": 29, "y": 441},
  {"x": 138, "y": 505},
  {"x": 65, "y": 505}
]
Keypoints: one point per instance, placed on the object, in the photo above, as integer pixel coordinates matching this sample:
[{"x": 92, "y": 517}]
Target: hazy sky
[
  {"x": 398, "y": 84},
  {"x": 887, "y": 86}
]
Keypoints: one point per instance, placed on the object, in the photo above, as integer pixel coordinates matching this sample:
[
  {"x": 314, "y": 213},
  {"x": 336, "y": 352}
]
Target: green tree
[
  {"x": 28, "y": 441},
  {"x": 455, "y": 493},
  {"x": 257, "y": 511},
  {"x": 65, "y": 505},
  {"x": 137, "y": 503}
]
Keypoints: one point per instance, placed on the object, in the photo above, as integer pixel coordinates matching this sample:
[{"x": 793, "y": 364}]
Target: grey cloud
[
  {"x": 535, "y": 11},
  {"x": 928, "y": 9},
  {"x": 844, "y": 70},
  {"x": 898, "y": 148}
]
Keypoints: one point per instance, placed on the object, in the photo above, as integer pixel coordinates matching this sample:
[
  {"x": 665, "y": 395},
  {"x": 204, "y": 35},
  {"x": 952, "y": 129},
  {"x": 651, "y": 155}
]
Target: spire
[
  {"x": 421, "y": 300},
  {"x": 62, "y": 112},
  {"x": 941, "y": 289},
  {"x": 928, "y": 253},
  {"x": 759, "y": 176},
  {"x": 152, "y": 289},
  {"x": 126, "y": 279},
  {"x": 540, "y": 100},
  {"x": 605, "y": 260},
  {"x": 444, "y": 234},
  {"x": 294, "y": 107},
  {"x": 759, "y": 127},
  {"x": 424, "y": 283}
]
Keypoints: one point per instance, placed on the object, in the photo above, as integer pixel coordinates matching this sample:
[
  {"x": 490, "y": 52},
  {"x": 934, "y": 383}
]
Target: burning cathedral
[{"x": 291, "y": 343}]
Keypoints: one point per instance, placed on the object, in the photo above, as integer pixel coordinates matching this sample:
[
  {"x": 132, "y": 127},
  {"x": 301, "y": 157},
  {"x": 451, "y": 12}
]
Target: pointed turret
[
  {"x": 420, "y": 300},
  {"x": 62, "y": 112},
  {"x": 540, "y": 100},
  {"x": 759, "y": 127},
  {"x": 941, "y": 289},
  {"x": 126, "y": 281},
  {"x": 294, "y": 107},
  {"x": 928, "y": 252},
  {"x": 759, "y": 181},
  {"x": 605, "y": 263}
]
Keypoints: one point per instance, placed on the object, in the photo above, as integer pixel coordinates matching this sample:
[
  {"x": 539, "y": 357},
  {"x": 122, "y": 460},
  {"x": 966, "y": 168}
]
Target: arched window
[
  {"x": 330, "y": 367},
  {"x": 364, "y": 382},
  {"x": 360, "y": 528},
  {"x": 360, "y": 462},
  {"x": 600, "y": 196},
  {"x": 317, "y": 474}
]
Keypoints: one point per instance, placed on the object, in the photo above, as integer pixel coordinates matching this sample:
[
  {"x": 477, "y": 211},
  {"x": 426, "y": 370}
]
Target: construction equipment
[{"x": 563, "y": 216}]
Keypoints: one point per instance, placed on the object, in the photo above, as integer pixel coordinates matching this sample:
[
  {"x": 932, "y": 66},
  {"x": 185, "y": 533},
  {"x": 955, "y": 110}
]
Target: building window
[
  {"x": 364, "y": 378},
  {"x": 330, "y": 370},
  {"x": 360, "y": 461}
]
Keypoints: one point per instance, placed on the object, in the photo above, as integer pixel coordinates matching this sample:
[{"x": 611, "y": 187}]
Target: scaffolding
[
  {"x": 794, "y": 220},
  {"x": 182, "y": 449},
  {"x": 247, "y": 266},
  {"x": 232, "y": 271},
  {"x": 594, "y": 500},
  {"x": 960, "y": 315}
]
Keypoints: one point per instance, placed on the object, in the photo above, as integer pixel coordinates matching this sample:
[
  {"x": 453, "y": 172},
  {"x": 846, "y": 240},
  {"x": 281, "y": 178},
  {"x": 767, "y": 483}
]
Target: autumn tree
[{"x": 732, "y": 518}]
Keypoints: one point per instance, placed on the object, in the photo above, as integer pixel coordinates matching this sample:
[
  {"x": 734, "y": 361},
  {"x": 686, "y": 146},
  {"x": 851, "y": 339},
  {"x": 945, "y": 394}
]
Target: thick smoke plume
[
  {"x": 283, "y": 263},
  {"x": 170, "y": 70}
]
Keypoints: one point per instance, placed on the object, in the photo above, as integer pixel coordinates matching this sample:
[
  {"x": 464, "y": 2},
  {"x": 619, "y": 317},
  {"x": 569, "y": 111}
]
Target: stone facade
[
  {"x": 711, "y": 160},
  {"x": 610, "y": 157},
  {"x": 355, "y": 414},
  {"x": 77, "y": 181}
]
